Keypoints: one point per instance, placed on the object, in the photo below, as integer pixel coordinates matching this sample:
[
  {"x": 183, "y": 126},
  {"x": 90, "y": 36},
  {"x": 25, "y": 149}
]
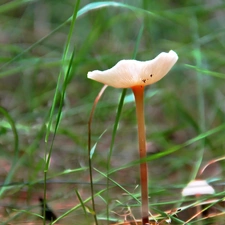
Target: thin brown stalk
[{"x": 139, "y": 100}]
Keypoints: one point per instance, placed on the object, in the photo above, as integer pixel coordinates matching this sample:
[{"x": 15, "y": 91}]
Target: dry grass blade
[
  {"x": 89, "y": 149},
  {"x": 210, "y": 163}
]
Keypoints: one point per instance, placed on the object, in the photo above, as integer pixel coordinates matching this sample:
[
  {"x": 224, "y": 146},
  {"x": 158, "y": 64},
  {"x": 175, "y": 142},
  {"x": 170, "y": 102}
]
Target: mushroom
[
  {"x": 198, "y": 188},
  {"x": 136, "y": 75}
]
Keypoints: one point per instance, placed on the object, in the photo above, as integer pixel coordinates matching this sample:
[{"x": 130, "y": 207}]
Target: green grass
[{"x": 47, "y": 48}]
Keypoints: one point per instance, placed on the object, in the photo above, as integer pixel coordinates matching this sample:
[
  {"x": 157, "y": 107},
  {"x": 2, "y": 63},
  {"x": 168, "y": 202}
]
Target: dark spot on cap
[
  {"x": 144, "y": 80},
  {"x": 151, "y": 75}
]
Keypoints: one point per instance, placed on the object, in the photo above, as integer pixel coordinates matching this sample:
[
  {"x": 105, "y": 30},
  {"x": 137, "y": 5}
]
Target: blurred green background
[{"x": 46, "y": 100}]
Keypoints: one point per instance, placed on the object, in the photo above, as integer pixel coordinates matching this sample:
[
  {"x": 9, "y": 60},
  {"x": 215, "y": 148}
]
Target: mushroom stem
[
  {"x": 139, "y": 100},
  {"x": 198, "y": 210}
]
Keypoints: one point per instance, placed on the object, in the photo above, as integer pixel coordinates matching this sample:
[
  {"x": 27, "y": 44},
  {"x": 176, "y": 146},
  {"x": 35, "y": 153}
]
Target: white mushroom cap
[
  {"x": 131, "y": 73},
  {"x": 198, "y": 187}
]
